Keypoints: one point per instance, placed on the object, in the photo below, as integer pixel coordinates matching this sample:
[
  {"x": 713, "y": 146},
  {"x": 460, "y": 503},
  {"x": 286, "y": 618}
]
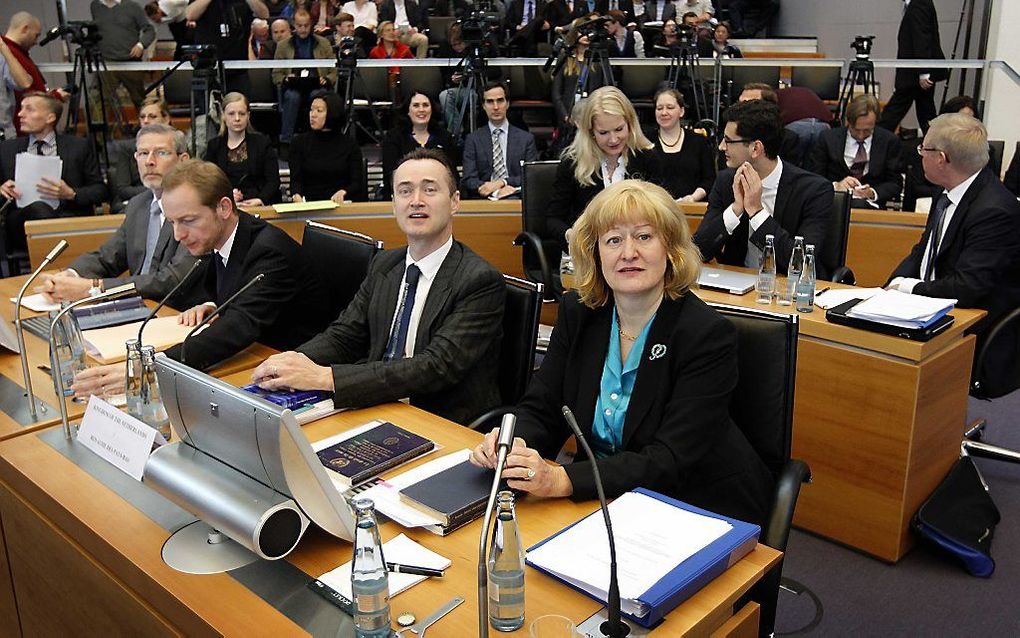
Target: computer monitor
[{"x": 240, "y": 460}]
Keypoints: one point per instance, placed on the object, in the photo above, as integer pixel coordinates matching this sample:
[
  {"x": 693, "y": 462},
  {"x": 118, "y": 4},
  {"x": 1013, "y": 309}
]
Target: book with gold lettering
[{"x": 371, "y": 451}]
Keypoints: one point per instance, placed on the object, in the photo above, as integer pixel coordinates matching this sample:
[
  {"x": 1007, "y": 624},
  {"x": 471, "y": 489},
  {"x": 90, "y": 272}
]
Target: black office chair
[
  {"x": 1002, "y": 340},
  {"x": 823, "y": 80},
  {"x": 541, "y": 253},
  {"x": 762, "y": 407},
  {"x": 426, "y": 79},
  {"x": 833, "y": 253},
  {"x": 735, "y": 77},
  {"x": 341, "y": 258},
  {"x": 996, "y": 149},
  {"x": 639, "y": 83},
  {"x": 517, "y": 351}
]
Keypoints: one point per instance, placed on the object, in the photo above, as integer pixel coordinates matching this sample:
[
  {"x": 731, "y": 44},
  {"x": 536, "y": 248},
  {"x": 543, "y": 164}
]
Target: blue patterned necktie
[{"x": 398, "y": 337}]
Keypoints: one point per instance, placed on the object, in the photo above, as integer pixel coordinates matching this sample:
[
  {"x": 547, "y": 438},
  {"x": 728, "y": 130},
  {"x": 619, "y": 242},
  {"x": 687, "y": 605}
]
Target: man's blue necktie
[{"x": 398, "y": 337}]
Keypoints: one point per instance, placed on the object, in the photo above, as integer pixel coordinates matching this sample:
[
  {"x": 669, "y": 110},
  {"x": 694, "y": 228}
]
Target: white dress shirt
[
  {"x": 366, "y": 16},
  {"x": 769, "y": 188},
  {"x": 618, "y": 174},
  {"x": 906, "y": 284},
  {"x": 400, "y": 18},
  {"x": 429, "y": 266},
  {"x": 850, "y": 153}
]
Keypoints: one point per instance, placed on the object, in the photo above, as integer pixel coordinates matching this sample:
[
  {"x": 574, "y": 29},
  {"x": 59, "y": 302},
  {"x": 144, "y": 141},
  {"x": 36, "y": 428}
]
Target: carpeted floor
[{"x": 922, "y": 595}]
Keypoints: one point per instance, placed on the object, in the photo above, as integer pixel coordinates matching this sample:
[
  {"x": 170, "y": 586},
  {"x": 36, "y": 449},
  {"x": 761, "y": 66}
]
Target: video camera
[
  {"x": 84, "y": 33},
  {"x": 347, "y": 51},
  {"x": 862, "y": 45},
  {"x": 477, "y": 26},
  {"x": 201, "y": 56}
]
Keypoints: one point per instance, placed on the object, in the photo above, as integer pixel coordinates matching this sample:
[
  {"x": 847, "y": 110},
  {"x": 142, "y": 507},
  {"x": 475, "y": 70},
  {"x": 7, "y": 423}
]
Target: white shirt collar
[
  {"x": 505, "y": 127},
  {"x": 960, "y": 189},
  {"x": 224, "y": 250},
  {"x": 618, "y": 174},
  {"x": 50, "y": 139},
  {"x": 771, "y": 181},
  {"x": 111, "y": 3},
  {"x": 429, "y": 264}
]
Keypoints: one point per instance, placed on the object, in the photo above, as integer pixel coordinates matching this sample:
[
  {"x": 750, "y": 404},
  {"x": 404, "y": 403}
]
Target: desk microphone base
[
  {"x": 14, "y": 403},
  {"x": 200, "y": 549},
  {"x": 590, "y": 626}
]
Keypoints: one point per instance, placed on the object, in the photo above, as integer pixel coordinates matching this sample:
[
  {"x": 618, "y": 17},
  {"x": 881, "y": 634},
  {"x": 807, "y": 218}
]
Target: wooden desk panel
[
  {"x": 879, "y": 240},
  {"x": 9, "y": 624},
  {"x": 124, "y": 545}
]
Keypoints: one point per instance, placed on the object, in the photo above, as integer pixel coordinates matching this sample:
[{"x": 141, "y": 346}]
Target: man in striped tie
[
  {"x": 425, "y": 326},
  {"x": 493, "y": 153}
]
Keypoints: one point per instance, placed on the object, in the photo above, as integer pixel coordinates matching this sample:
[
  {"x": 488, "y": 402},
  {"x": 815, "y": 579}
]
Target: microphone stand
[
  {"x": 58, "y": 379},
  {"x": 184, "y": 344},
  {"x": 503, "y": 444},
  {"x": 614, "y": 627},
  {"x": 194, "y": 267},
  {"x": 53, "y": 254}
]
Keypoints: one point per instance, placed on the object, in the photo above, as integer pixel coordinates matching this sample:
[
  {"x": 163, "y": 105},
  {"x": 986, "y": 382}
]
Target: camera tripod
[
  {"x": 205, "y": 81},
  {"x": 861, "y": 71},
  {"x": 684, "y": 75},
  {"x": 346, "y": 75},
  {"x": 88, "y": 60},
  {"x": 472, "y": 67}
]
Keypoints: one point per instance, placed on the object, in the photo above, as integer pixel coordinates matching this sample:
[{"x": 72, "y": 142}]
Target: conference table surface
[
  {"x": 126, "y": 543},
  {"x": 42, "y": 384}
]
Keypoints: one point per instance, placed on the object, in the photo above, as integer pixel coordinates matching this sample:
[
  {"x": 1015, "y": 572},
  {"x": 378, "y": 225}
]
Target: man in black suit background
[
  {"x": 860, "y": 158},
  {"x": 426, "y": 322},
  {"x": 970, "y": 249},
  {"x": 143, "y": 246},
  {"x": 488, "y": 173},
  {"x": 759, "y": 194},
  {"x": 80, "y": 186},
  {"x": 918, "y": 39}
]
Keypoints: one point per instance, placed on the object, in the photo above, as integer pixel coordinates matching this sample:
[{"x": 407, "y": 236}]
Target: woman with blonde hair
[
  {"x": 245, "y": 155},
  {"x": 608, "y": 148},
  {"x": 645, "y": 365}
]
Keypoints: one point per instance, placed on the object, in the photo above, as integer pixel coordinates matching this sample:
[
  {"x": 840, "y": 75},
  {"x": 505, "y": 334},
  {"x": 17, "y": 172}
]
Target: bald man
[{"x": 22, "y": 34}]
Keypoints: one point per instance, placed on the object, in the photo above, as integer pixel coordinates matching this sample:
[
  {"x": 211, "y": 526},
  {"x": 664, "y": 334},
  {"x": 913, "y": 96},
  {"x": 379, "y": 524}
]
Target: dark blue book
[
  {"x": 111, "y": 313},
  {"x": 293, "y": 399},
  {"x": 369, "y": 454},
  {"x": 456, "y": 495}
]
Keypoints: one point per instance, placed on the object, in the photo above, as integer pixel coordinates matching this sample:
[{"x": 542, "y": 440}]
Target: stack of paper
[
  {"x": 902, "y": 309},
  {"x": 106, "y": 345},
  {"x": 37, "y": 303},
  {"x": 305, "y": 207},
  {"x": 400, "y": 549},
  {"x": 386, "y": 494},
  {"x": 837, "y": 296}
]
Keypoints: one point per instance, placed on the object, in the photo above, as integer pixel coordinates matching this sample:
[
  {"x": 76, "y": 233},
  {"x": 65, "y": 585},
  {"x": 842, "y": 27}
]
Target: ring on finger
[{"x": 531, "y": 473}]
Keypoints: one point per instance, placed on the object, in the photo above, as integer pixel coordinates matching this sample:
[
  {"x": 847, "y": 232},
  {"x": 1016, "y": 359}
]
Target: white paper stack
[
  {"x": 399, "y": 549},
  {"x": 836, "y": 296},
  {"x": 37, "y": 303},
  {"x": 902, "y": 309},
  {"x": 386, "y": 494}
]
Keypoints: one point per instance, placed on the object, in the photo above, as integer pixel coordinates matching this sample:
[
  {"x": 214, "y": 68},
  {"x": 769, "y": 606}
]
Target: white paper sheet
[
  {"x": 652, "y": 538},
  {"x": 386, "y": 494},
  {"x": 834, "y": 297},
  {"x": 29, "y": 169},
  {"x": 399, "y": 549},
  {"x": 37, "y": 303},
  {"x": 902, "y": 309}
]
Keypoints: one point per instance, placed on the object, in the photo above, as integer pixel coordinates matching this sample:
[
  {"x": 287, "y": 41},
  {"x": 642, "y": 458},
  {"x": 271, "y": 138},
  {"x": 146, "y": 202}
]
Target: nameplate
[{"x": 117, "y": 437}]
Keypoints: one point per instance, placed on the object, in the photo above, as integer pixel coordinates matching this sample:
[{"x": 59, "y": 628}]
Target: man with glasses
[
  {"x": 759, "y": 194},
  {"x": 970, "y": 249},
  {"x": 861, "y": 159},
  {"x": 143, "y": 247}
]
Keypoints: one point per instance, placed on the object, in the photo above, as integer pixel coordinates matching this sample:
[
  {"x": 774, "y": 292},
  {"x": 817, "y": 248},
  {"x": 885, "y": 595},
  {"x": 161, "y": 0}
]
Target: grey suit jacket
[
  {"x": 478, "y": 158},
  {"x": 453, "y": 372},
  {"x": 125, "y": 252}
]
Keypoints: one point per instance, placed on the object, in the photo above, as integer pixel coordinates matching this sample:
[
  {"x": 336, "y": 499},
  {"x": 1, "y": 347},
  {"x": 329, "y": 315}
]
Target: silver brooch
[{"x": 658, "y": 351}]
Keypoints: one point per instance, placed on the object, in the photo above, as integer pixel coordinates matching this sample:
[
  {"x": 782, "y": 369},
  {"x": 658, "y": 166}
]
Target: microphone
[
  {"x": 194, "y": 267},
  {"x": 614, "y": 627},
  {"x": 53, "y": 254},
  {"x": 58, "y": 378},
  {"x": 220, "y": 308},
  {"x": 503, "y": 444}
]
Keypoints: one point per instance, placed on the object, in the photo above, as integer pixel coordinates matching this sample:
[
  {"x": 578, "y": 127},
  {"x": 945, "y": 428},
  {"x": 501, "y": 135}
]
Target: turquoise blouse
[{"x": 614, "y": 394}]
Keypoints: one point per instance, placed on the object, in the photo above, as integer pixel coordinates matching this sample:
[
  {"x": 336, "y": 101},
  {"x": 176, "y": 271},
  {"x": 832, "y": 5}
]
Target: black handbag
[{"x": 960, "y": 518}]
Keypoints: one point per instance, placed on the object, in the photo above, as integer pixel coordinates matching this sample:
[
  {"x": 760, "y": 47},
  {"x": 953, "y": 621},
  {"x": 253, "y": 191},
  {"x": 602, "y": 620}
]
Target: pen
[
  {"x": 826, "y": 289},
  {"x": 411, "y": 569}
]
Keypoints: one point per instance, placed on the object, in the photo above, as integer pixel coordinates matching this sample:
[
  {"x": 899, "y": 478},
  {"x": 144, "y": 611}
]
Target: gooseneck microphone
[
  {"x": 503, "y": 445},
  {"x": 58, "y": 378},
  {"x": 216, "y": 311},
  {"x": 53, "y": 254},
  {"x": 614, "y": 627},
  {"x": 186, "y": 277}
]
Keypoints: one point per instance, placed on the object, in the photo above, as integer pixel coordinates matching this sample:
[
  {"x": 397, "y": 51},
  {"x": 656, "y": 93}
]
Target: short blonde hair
[
  {"x": 962, "y": 138},
  {"x": 229, "y": 99},
  {"x": 633, "y": 200},
  {"x": 584, "y": 151}
]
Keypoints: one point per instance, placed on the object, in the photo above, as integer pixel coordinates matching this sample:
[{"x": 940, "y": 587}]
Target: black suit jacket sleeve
[
  {"x": 564, "y": 202},
  {"x": 814, "y": 222},
  {"x": 1012, "y": 178},
  {"x": 711, "y": 235}
]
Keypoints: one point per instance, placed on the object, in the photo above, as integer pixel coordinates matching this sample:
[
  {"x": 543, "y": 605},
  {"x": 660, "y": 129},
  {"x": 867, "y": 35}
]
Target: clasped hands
[
  {"x": 747, "y": 190},
  {"x": 854, "y": 186},
  {"x": 63, "y": 286},
  {"x": 525, "y": 469},
  {"x": 499, "y": 187}
]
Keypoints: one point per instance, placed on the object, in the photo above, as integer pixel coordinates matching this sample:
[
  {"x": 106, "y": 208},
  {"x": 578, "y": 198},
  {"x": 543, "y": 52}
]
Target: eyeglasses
[
  {"x": 727, "y": 141},
  {"x": 921, "y": 149},
  {"x": 159, "y": 153}
]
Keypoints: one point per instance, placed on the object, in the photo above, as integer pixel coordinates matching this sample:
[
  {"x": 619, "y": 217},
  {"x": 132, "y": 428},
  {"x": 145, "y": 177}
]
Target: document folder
[
  {"x": 839, "y": 315},
  {"x": 687, "y": 578}
]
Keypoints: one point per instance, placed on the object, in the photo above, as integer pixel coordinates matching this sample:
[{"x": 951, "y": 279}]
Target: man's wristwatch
[{"x": 97, "y": 287}]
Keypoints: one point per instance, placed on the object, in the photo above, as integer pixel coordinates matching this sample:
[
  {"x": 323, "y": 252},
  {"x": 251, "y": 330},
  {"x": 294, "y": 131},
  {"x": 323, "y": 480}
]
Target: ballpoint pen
[{"x": 411, "y": 569}]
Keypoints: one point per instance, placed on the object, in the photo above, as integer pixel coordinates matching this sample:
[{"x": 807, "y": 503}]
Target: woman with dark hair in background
[
  {"x": 245, "y": 155},
  {"x": 419, "y": 125},
  {"x": 325, "y": 163},
  {"x": 686, "y": 159}
]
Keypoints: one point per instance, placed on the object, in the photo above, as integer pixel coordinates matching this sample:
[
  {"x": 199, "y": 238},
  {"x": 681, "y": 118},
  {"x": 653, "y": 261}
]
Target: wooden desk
[
  {"x": 879, "y": 419},
  {"x": 87, "y": 565},
  {"x": 42, "y": 383}
]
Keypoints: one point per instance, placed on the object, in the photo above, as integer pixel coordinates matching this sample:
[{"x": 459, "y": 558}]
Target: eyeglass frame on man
[
  {"x": 922, "y": 149},
  {"x": 727, "y": 141},
  {"x": 161, "y": 153}
]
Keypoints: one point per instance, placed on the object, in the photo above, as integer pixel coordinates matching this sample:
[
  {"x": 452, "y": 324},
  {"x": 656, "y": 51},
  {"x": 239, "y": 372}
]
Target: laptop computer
[{"x": 735, "y": 283}]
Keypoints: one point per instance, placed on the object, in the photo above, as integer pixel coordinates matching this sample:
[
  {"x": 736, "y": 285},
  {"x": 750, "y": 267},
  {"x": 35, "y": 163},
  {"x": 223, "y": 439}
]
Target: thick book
[
  {"x": 111, "y": 313},
  {"x": 368, "y": 454},
  {"x": 293, "y": 399},
  {"x": 679, "y": 582},
  {"x": 455, "y": 496}
]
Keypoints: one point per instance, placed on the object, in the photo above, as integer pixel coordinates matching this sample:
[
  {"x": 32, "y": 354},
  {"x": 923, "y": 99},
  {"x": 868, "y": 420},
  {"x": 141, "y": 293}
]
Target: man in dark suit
[
  {"x": 426, "y": 322},
  {"x": 527, "y": 23},
  {"x": 918, "y": 39},
  {"x": 80, "y": 186},
  {"x": 859, "y": 158},
  {"x": 970, "y": 249},
  {"x": 759, "y": 194},
  {"x": 493, "y": 153},
  {"x": 143, "y": 246},
  {"x": 657, "y": 11}
]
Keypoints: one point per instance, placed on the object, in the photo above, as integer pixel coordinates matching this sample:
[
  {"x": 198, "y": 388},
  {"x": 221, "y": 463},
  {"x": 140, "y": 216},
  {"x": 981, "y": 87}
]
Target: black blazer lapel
[
  {"x": 592, "y": 348},
  {"x": 439, "y": 291},
  {"x": 949, "y": 235},
  {"x": 238, "y": 253},
  {"x": 653, "y": 370},
  {"x": 381, "y": 318},
  {"x": 783, "y": 193}
]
